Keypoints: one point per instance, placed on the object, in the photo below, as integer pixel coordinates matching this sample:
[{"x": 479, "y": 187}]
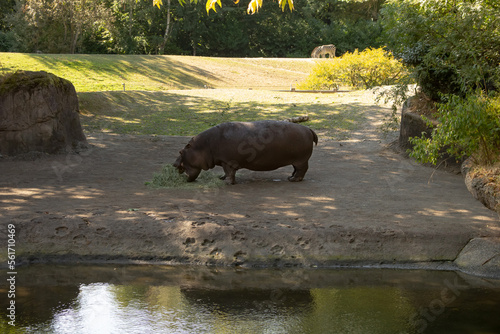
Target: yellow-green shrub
[{"x": 361, "y": 70}]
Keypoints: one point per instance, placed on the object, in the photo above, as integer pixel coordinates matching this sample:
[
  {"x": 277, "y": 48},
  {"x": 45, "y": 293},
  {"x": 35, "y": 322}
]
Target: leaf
[
  {"x": 157, "y": 3},
  {"x": 283, "y": 3},
  {"x": 253, "y": 6},
  {"x": 211, "y": 5}
]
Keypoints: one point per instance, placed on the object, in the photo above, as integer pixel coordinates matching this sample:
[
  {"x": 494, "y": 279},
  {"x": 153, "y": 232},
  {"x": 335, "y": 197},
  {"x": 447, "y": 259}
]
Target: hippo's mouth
[{"x": 180, "y": 168}]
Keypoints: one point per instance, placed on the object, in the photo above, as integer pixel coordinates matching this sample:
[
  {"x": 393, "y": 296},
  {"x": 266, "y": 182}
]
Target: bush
[
  {"x": 361, "y": 70},
  {"x": 451, "y": 46},
  {"x": 468, "y": 126}
]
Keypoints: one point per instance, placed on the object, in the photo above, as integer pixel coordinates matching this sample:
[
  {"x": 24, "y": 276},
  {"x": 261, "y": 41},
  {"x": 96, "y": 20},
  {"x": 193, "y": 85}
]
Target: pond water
[{"x": 165, "y": 299}]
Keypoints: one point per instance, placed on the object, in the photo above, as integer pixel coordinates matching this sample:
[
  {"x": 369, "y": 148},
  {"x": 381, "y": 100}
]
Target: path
[{"x": 360, "y": 204}]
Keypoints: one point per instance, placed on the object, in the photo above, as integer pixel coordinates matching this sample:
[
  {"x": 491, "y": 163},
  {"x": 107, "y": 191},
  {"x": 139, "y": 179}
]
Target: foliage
[
  {"x": 468, "y": 126},
  {"x": 396, "y": 95},
  {"x": 56, "y": 26},
  {"x": 136, "y": 27},
  {"x": 452, "y": 46},
  {"x": 253, "y": 5},
  {"x": 361, "y": 70},
  {"x": 453, "y": 51}
]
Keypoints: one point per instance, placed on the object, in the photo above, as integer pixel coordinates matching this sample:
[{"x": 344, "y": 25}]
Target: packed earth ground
[{"x": 362, "y": 202}]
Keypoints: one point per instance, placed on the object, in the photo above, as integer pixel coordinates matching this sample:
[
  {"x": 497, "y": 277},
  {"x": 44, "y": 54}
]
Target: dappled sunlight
[
  {"x": 122, "y": 120},
  {"x": 191, "y": 112},
  {"x": 24, "y": 195},
  {"x": 435, "y": 213}
]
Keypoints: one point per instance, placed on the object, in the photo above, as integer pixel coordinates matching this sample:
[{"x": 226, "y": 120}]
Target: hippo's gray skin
[{"x": 258, "y": 146}]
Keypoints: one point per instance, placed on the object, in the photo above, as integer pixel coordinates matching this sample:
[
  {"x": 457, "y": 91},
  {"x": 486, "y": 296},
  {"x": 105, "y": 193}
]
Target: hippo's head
[{"x": 186, "y": 162}]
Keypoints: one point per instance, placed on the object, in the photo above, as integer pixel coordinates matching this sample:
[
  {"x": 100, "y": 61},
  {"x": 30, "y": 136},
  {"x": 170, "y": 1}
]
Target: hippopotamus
[{"x": 257, "y": 146}]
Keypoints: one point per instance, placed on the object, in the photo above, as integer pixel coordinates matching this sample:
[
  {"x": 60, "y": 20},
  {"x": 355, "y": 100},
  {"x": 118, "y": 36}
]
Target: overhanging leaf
[
  {"x": 283, "y": 4},
  {"x": 253, "y": 6},
  {"x": 157, "y": 3},
  {"x": 211, "y": 5}
]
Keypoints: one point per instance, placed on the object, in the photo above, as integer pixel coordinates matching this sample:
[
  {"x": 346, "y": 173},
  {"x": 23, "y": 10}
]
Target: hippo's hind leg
[
  {"x": 229, "y": 171},
  {"x": 299, "y": 170}
]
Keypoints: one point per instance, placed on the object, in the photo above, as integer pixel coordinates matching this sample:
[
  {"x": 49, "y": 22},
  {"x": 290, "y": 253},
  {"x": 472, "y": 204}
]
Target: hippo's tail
[{"x": 315, "y": 137}]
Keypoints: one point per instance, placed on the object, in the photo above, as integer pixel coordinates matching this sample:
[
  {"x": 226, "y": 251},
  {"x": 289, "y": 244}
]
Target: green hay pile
[{"x": 169, "y": 177}]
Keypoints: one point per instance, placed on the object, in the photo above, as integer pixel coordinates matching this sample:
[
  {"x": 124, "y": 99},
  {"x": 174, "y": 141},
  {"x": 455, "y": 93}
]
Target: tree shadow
[
  {"x": 135, "y": 71},
  {"x": 167, "y": 113}
]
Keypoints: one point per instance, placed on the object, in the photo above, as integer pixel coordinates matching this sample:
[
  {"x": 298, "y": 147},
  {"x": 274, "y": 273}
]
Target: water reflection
[{"x": 157, "y": 299}]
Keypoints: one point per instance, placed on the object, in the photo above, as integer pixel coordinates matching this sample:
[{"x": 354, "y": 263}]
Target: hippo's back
[{"x": 264, "y": 145}]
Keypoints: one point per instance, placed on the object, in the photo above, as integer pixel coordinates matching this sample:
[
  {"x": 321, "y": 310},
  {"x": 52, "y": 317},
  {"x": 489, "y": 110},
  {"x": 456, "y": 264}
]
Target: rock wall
[
  {"x": 481, "y": 187},
  {"x": 412, "y": 125},
  {"x": 38, "y": 112}
]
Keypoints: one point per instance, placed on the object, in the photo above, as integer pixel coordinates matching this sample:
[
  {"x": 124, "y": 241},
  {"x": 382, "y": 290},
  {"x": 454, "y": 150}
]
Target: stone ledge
[{"x": 481, "y": 256}]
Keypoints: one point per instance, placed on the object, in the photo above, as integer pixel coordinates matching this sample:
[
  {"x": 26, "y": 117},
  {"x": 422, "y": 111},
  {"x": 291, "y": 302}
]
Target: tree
[
  {"x": 253, "y": 5},
  {"x": 57, "y": 26},
  {"x": 137, "y": 27},
  {"x": 453, "y": 46},
  {"x": 453, "y": 49}
]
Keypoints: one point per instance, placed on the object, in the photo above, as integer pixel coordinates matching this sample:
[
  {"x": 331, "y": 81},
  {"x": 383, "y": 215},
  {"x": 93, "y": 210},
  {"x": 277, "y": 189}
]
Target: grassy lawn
[
  {"x": 165, "y": 96},
  {"x": 188, "y": 112},
  {"x": 91, "y": 73}
]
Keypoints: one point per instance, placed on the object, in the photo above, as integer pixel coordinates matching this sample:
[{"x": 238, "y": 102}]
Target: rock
[
  {"x": 481, "y": 256},
  {"x": 412, "y": 125},
  {"x": 38, "y": 112},
  {"x": 481, "y": 187}
]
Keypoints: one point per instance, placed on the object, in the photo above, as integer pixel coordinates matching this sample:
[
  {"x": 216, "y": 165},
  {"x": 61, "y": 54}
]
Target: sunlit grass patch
[
  {"x": 189, "y": 112},
  {"x": 91, "y": 73}
]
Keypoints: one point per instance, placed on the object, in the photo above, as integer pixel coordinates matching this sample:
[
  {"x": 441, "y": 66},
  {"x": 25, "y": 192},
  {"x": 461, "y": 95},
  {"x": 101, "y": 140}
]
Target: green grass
[
  {"x": 189, "y": 112},
  {"x": 169, "y": 177},
  {"x": 164, "y": 97},
  {"x": 91, "y": 73}
]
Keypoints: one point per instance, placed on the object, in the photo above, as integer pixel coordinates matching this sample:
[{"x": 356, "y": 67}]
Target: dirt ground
[{"x": 361, "y": 203}]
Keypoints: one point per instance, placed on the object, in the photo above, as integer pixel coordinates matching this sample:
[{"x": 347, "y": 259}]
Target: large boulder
[{"x": 38, "y": 112}]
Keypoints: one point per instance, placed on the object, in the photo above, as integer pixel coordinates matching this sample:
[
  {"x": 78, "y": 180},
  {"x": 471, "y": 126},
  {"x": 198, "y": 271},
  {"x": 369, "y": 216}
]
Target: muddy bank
[{"x": 360, "y": 203}]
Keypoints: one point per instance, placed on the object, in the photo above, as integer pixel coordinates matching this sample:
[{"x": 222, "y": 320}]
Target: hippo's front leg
[{"x": 229, "y": 170}]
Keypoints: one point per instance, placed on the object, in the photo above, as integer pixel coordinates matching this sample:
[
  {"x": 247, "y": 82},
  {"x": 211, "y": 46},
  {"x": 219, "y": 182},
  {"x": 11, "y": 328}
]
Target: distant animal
[
  {"x": 323, "y": 50},
  {"x": 315, "y": 51},
  {"x": 258, "y": 146}
]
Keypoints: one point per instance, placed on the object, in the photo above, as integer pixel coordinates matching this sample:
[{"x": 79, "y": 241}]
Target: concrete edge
[{"x": 468, "y": 262}]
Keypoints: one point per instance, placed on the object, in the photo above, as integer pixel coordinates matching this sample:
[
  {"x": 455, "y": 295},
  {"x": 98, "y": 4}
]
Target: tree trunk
[
  {"x": 130, "y": 15},
  {"x": 74, "y": 41},
  {"x": 167, "y": 31}
]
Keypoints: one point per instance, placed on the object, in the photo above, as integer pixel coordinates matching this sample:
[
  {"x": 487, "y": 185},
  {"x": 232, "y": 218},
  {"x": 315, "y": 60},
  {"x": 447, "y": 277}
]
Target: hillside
[{"x": 91, "y": 73}]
